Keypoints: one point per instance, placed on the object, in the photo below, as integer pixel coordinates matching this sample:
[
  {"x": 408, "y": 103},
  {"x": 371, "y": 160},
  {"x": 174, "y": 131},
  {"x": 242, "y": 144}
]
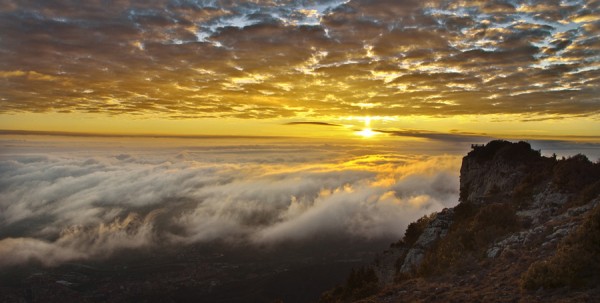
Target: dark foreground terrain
[{"x": 207, "y": 273}]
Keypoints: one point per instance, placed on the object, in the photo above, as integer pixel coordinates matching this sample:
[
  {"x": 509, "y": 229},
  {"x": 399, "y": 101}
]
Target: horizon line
[
  {"x": 571, "y": 138},
  {"x": 126, "y": 135}
]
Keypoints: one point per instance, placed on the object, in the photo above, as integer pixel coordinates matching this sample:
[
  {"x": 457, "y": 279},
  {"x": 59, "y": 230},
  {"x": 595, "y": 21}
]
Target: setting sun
[{"x": 367, "y": 132}]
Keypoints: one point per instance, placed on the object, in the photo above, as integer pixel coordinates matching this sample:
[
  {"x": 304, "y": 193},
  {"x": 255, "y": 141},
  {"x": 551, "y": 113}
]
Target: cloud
[
  {"x": 184, "y": 59},
  {"x": 457, "y": 137},
  {"x": 81, "y": 204},
  {"x": 312, "y": 123}
]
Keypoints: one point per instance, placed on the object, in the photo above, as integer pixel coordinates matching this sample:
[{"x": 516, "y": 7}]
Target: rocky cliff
[
  {"x": 527, "y": 228},
  {"x": 496, "y": 170}
]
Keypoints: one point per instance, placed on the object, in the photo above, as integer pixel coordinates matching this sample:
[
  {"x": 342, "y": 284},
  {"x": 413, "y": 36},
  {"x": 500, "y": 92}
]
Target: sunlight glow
[{"x": 367, "y": 132}]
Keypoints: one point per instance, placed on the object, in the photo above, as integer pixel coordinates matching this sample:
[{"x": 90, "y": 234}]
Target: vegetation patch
[
  {"x": 473, "y": 230},
  {"x": 576, "y": 262},
  {"x": 574, "y": 174},
  {"x": 500, "y": 149}
]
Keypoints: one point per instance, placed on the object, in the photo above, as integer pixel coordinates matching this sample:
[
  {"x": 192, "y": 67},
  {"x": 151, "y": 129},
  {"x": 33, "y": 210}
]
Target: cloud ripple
[
  {"x": 265, "y": 59},
  {"x": 81, "y": 206}
]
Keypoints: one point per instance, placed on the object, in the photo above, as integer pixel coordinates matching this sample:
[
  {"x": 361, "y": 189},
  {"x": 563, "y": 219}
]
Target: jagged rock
[
  {"x": 576, "y": 211},
  {"x": 549, "y": 197},
  {"x": 480, "y": 181},
  {"x": 494, "y": 252},
  {"x": 559, "y": 233},
  {"x": 512, "y": 241},
  {"x": 386, "y": 265},
  {"x": 437, "y": 228},
  {"x": 495, "y": 170},
  {"x": 563, "y": 225}
]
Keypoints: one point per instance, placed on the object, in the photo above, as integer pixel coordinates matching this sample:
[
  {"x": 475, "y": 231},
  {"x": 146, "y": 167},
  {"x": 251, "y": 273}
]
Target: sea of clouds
[{"x": 74, "y": 200}]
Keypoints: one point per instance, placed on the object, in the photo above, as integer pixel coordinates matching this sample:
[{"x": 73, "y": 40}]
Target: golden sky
[{"x": 424, "y": 69}]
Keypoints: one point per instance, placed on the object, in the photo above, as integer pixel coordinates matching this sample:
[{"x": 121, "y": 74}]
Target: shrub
[
  {"x": 491, "y": 222},
  {"x": 519, "y": 152},
  {"x": 411, "y": 235},
  {"x": 540, "y": 171},
  {"x": 516, "y": 152},
  {"x": 488, "y": 151},
  {"x": 449, "y": 252},
  {"x": 586, "y": 195},
  {"x": 473, "y": 230},
  {"x": 575, "y": 173},
  {"x": 576, "y": 262},
  {"x": 463, "y": 212},
  {"x": 415, "y": 229}
]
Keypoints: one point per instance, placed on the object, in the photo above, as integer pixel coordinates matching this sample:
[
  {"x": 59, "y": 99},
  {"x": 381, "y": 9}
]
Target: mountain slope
[{"x": 527, "y": 229}]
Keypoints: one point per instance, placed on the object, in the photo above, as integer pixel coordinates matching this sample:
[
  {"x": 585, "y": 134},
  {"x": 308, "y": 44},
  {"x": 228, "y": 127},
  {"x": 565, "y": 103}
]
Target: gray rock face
[
  {"x": 495, "y": 170},
  {"x": 437, "y": 228},
  {"x": 480, "y": 180},
  {"x": 552, "y": 228},
  {"x": 386, "y": 265}
]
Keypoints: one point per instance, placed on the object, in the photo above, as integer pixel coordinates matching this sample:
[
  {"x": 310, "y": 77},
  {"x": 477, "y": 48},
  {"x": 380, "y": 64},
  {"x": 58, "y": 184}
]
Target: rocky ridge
[{"x": 518, "y": 212}]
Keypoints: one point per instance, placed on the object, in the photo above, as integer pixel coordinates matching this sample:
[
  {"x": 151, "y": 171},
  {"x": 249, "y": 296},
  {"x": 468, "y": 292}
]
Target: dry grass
[
  {"x": 473, "y": 230},
  {"x": 576, "y": 263}
]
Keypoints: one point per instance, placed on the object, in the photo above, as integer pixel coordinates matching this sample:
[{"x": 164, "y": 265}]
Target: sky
[{"x": 332, "y": 68}]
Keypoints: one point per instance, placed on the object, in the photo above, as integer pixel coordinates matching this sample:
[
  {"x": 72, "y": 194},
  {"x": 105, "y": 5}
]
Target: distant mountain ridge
[{"x": 527, "y": 229}]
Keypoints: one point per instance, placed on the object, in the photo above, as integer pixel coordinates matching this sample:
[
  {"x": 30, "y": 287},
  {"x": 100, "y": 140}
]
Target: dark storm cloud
[{"x": 260, "y": 59}]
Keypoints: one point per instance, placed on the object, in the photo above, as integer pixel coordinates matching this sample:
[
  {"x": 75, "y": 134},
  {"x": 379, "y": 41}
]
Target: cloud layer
[
  {"x": 263, "y": 59},
  {"x": 87, "y": 204}
]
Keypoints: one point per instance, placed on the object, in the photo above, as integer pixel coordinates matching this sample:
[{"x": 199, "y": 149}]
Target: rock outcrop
[
  {"x": 495, "y": 170},
  {"x": 542, "y": 201},
  {"x": 438, "y": 228},
  {"x": 526, "y": 229},
  {"x": 489, "y": 173}
]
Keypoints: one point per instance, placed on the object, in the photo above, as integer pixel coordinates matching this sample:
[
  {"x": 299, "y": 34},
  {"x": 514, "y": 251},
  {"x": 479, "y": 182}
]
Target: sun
[{"x": 367, "y": 132}]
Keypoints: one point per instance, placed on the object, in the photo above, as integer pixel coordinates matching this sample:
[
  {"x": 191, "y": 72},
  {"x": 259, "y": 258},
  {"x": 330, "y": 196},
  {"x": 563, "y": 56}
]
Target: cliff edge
[{"x": 526, "y": 229}]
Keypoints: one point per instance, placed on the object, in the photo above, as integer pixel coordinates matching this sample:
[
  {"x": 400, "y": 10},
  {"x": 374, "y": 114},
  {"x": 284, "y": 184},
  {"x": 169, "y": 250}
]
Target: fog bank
[{"x": 88, "y": 203}]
